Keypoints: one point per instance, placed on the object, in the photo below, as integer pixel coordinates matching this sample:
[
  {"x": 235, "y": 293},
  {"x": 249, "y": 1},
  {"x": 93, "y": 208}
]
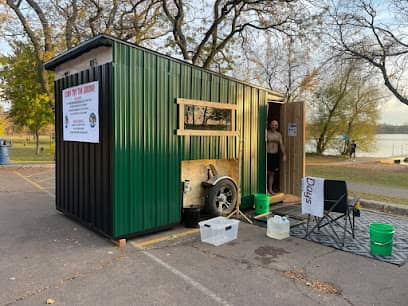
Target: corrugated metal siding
[
  {"x": 83, "y": 170},
  {"x": 147, "y": 151}
]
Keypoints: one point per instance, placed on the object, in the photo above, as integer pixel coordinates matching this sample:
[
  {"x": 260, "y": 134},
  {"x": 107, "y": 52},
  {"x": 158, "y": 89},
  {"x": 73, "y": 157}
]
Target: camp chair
[{"x": 336, "y": 201}]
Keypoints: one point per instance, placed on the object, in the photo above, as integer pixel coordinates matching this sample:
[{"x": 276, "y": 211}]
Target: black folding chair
[{"x": 336, "y": 207}]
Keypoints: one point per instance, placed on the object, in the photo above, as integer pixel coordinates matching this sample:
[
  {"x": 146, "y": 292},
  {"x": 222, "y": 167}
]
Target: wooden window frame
[{"x": 186, "y": 132}]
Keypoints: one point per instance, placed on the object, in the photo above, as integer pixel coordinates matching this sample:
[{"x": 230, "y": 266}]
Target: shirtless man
[{"x": 273, "y": 143}]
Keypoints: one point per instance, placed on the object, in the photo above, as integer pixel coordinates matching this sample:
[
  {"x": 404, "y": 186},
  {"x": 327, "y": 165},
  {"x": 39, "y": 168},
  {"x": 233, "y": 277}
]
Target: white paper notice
[
  {"x": 292, "y": 129},
  {"x": 80, "y": 113},
  {"x": 313, "y": 196}
]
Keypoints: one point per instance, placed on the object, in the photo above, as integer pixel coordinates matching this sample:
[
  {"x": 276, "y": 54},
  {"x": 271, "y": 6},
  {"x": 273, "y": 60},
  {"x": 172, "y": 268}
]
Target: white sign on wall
[
  {"x": 292, "y": 129},
  {"x": 80, "y": 113}
]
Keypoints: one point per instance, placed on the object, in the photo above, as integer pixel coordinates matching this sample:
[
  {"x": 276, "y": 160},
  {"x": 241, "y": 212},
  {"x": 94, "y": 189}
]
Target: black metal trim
[{"x": 84, "y": 170}]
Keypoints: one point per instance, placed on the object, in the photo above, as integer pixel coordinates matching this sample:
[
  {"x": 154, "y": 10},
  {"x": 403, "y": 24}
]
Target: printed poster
[
  {"x": 80, "y": 113},
  {"x": 292, "y": 129}
]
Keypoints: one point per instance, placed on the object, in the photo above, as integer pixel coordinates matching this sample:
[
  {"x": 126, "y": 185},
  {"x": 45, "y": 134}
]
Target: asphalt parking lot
[{"x": 44, "y": 255}]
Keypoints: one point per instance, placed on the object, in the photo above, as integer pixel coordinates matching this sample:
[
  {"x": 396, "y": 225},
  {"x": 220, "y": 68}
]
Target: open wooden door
[{"x": 292, "y": 128}]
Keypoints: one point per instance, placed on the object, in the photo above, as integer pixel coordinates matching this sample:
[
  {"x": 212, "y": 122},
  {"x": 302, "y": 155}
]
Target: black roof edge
[
  {"x": 97, "y": 41},
  {"x": 107, "y": 40}
]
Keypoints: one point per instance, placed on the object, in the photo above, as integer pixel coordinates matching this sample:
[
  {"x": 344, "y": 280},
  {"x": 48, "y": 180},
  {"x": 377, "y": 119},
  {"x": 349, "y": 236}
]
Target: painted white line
[
  {"x": 46, "y": 179},
  {"x": 39, "y": 173},
  {"x": 188, "y": 280},
  {"x": 173, "y": 270}
]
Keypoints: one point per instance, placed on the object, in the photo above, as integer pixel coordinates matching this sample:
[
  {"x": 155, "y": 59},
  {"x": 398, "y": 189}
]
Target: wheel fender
[{"x": 216, "y": 179}]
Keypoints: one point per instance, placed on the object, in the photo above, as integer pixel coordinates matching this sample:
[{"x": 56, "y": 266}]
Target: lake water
[{"x": 387, "y": 145}]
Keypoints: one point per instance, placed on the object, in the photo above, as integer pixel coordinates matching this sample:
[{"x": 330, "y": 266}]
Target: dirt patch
[
  {"x": 317, "y": 285},
  {"x": 376, "y": 165},
  {"x": 267, "y": 254},
  {"x": 268, "y": 251},
  {"x": 362, "y": 163}
]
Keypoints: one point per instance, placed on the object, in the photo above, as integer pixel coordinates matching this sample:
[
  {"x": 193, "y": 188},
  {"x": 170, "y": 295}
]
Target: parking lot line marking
[
  {"x": 35, "y": 184},
  {"x": 46, "y": 179},
  {"x": 187, "y": 279},
  {"x": 143, "y": 244},
  {"x": 40, "y": 173}
]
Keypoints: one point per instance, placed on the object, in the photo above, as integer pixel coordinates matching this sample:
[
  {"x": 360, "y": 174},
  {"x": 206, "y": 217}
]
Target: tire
[{"x": 221, "y": 199}]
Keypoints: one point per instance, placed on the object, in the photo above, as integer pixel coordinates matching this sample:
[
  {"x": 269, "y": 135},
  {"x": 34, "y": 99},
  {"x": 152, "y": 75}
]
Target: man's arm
[{"x": 282, "y": 148}]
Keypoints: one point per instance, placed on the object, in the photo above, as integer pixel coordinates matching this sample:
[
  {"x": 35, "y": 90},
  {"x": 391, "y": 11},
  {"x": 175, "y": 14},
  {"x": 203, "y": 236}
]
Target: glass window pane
[{"x": 207, "y": 118}]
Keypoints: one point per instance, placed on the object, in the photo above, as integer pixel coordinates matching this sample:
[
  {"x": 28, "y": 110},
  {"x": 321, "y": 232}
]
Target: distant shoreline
[
  {"x": 381, "y": 133},
  {"x": 392, "y": 129}
]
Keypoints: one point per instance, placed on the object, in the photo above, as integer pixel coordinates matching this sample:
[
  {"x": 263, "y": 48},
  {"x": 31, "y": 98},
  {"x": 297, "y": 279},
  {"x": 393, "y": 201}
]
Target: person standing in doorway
[
  {"x": 353, "y": 148},
  {"x": 274, "y": 143}
]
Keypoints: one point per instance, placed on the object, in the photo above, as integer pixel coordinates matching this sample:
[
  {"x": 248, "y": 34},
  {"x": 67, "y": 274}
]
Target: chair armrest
[{"x": 353, "y": 202}]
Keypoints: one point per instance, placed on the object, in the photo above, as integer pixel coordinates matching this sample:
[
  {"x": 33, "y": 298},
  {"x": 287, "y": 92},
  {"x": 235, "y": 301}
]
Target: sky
[
  {"x": 394, "y": 112},
  {"x": 4, "y": 47}
]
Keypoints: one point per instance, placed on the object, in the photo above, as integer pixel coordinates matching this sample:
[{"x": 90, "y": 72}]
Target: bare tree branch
[
  {"x": 229, "y": 20},
  {"x": 359, "y": 35}
]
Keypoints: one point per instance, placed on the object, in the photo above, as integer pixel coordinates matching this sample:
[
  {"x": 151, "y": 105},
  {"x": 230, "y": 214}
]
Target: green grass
[
  {"x": 23, "y": 151},
  {"x": 372, "y": 176},
  {"x": 369, "y": 172}
]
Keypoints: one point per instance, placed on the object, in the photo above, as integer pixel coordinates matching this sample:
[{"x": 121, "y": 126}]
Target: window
[{"x": 203, "y": 118}]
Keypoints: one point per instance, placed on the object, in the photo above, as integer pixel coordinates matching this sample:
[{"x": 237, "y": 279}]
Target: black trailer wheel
[{"x": 221, "y": 199}]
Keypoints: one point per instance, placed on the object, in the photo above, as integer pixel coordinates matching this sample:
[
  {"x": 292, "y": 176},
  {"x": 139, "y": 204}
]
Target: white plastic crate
[{"x": 218, "y": 230}]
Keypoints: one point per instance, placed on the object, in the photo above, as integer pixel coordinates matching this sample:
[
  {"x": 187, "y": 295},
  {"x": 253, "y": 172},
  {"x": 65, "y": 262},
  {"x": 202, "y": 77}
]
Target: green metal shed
[{"x": 127, "y": 181}]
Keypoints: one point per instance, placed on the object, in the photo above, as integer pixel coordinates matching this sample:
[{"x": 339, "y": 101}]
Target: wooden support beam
[
  {"x": 121, "y": 243},
  {"x": 276, "y": 198}
]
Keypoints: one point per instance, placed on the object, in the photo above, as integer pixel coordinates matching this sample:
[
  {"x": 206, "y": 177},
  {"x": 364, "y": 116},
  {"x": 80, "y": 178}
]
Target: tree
[
  {"x": 326, "y": 103},
  {"x": 40, "y": 38},
  {"x": 2, "y": 121},
  {"x": 360, "y": 113},
  {"x": 20, "y": 84},
  {"x": 205, "y": 38},
  {"x": 362, "y": 31},
  {"x": 346, "y": 105},
  {"x": 57, "y": 25},
  {"x": 137, "y": 21},
  {"x": 284, "y": 64},
  {"x": 52, "y": 26}
]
